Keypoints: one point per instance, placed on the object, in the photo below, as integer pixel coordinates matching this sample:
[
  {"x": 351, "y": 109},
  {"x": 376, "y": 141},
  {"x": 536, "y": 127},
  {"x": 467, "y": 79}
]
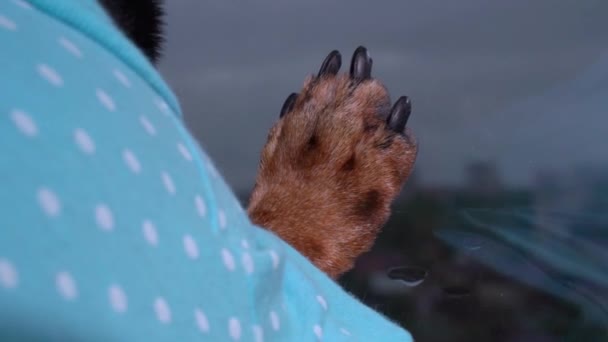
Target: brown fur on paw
[{"x": 333, "y": 164}]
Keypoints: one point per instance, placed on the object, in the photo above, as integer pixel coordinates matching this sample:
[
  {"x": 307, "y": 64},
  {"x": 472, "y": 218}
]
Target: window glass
[{"x": 502, "y": 232}]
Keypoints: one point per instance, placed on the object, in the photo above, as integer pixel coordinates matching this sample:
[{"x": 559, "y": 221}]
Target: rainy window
[{"x": 502, "y": 232}]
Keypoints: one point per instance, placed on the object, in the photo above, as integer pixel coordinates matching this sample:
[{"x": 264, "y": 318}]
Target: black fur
[{"x": 141, "y": 21}]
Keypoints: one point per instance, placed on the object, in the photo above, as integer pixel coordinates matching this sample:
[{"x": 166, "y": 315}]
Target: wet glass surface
[{"x": 502, "y": 232}]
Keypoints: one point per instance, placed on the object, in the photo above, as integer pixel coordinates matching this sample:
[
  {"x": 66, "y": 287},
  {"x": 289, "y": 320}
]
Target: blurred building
[{"x": 483, "y": 177}]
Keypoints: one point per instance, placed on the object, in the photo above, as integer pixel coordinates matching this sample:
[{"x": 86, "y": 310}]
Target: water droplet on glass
[{"x": 411, "y": 276}]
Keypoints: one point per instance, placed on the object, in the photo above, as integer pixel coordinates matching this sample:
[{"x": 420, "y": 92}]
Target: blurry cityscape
[{"x": 495, "y": 287}]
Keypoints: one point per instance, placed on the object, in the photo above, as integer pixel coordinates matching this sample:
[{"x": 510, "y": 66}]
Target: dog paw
[{"x": 333, "y": 164}]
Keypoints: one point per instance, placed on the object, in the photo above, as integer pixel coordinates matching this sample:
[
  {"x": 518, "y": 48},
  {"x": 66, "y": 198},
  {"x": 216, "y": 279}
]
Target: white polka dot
[
  {"x": 163, "y": 312},
  {"x": 275, "y": 258},
  {"x": 244, "y": 244},
  {"x": 8, "y": 274},
  {"x": 258, "y": 333},
  {"x": 122, "y": 78},
  {"x": 105, "y": 100},
  {"x": 84, "y": 141},
  {"x": 184, "y": 151},
  {"x": 168, "y": 182},
  {"x": 118, "y": 298},
  {"x": 318, "y": 331},
  {"x": 148, "y": 126},
  {"x": 104, "y": 217},
  {"x": 221, "y": 215},
  {"x": 247, "y": 263},
  {"x": 23, "y": 4},
  {"x": 234, "y": 328},
  {"x": 70, "y": 47},
  {"x": 345, "y": 332},
  {"x": 322, "y": 301},
  {"x": 149, "y": 231},
  {"x": 274, "y": 321},
  {"x": 201, "y": 320},
  {"x": 8, "y": 24},
  {"x": 66, "y": 285},
  {"x": 49, "y": 202},
  {"x": 24, "y": 123},
  {"x": 190, "y": 247},
  {"x": 228, "y": 259},
  {"x": 201, "y": 208},
  {"x": 50, "y": 75},
  {"x": 162, "y": 106},
  {"x": 131, "y": 160}
]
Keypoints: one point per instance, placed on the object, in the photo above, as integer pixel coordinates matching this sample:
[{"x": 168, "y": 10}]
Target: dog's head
[{"x": 141, "y": 21}]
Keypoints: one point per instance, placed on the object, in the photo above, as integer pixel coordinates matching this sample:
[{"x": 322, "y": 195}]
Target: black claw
[
  {"x": 400, "y": 114},
  {"x": 361, "y": 65},
  {"x": 288, "y": 105},
  {"x": 331, "y": 65}
]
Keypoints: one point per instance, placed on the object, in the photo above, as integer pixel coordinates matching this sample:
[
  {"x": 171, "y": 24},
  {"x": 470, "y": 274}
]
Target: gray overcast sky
[{"x": 521, "y": 82}]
